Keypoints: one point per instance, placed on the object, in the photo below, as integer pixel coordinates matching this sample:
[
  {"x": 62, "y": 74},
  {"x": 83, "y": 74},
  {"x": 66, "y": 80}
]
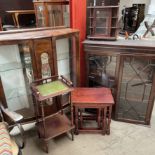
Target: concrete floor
[{"x": 125, "y": 139}]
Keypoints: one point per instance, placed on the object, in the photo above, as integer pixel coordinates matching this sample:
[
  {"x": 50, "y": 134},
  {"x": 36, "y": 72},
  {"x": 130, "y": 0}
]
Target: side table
[
  {"x": 99, "y": 98},
  {"x": 44, "y": 91}
]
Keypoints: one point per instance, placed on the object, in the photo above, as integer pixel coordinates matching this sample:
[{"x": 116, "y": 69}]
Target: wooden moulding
[
  {"x": 53, "y": 2},
  {"x": 33, "y": 34}
]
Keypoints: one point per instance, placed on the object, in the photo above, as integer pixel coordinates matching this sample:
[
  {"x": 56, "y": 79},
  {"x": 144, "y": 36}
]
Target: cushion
[{"x": 7, "y": 146}]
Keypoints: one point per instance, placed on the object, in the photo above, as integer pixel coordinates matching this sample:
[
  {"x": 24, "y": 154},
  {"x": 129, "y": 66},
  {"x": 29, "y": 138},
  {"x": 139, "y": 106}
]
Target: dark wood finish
[
  {"x": 16, "y": 13},
  {"x": 22, "y": 36},
  {"x": 103, "y": 19},
  {"x": 44, "y": 9},
  {"x": 132, "y": 17},
  {"x": 14, "y": 5},
  {"x": 99, "y": 98},
  {"x": 127, "y": 67},
  {"x": 43, "y": 40},
  {"x": 44, "y": 46},
  {"x": 57, "y": 123},
  {"x": 50, "y": 123},
  {"x": 1, "y": 28}
]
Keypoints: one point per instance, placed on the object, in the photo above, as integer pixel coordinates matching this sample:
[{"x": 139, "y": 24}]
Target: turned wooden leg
[
  {"x": 81, "y": 119},
  {"x": 72, "y": 110},
  {"x": 38, "y": 134},
  {"x": 109, "y": 121},
  {"x": 76, "y": 121},
  {"x": 72, "y": 133},
  {"x": 104, "y": 121},
  {"x": 46, "y": 146},
  {"x": 99, "y": 117}
]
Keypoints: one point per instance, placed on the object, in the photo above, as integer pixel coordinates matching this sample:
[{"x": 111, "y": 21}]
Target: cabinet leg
[
  {"x": 104, "y": 124},
  {"x": 46, "y": 146},
  {"x": 99, "y": 118},
  {"x": 109, "y": 121},
  {"x": 81, "y": 118},
  {"x": 72, "y": 133},
  {"x": 76, "y": 121},
  {"x": 39, "y": 135}
]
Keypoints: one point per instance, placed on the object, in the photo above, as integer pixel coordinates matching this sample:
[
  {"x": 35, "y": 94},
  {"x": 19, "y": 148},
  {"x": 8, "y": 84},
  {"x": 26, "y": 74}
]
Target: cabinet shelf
[
  {"x": 52, "y": 2},
  {"x": 10, "y": 98},
  {"x": 103, "y": 27},
  {"x": 28, "y": 114},
  {"x": 101, "y": 37},
  {"x": 54, "y": 126},
  {"x": 10, "y": 66},
  {"x": 104, "y": 17},
  {"x": 103, "y": 7}
]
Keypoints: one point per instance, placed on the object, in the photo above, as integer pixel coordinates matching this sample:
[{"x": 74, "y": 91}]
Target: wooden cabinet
[
  {"x": 128, "y": 68},
  {"x": 1, "y": 24},
  {"x": 51, "y": 12},
  {"x": 27, "y": 55},
  {"x": 103, "y": 19}
]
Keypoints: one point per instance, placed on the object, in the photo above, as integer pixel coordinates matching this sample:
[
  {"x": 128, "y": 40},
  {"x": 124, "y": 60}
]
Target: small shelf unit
[{"x": 103, "y": 22}]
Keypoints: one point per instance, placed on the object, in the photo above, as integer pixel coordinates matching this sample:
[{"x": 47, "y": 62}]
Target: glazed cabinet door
[
  {"x": 15, "y": 77},
  {"x": 136, "y": 89},
  {"x": 101, "y": 70}
]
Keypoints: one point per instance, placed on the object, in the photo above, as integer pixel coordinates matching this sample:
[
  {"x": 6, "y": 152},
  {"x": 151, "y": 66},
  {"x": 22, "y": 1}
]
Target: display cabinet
[
  {"x": 51, "y": 12},
  {"x": 128, "y": 68},
  {"x": 27, "y": 55},
  {"x": 103, "y": 19}
]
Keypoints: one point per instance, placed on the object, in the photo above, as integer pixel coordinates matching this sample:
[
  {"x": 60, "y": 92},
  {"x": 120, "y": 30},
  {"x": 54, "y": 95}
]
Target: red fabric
[{"x": 78, "y": 21}]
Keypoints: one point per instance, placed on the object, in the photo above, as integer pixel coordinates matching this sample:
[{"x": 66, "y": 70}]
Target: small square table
[{"x": 99, "y": 98}]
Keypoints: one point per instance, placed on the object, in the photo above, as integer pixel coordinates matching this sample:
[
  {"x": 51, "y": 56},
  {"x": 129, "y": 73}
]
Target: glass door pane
[
  {"x": 63, "y": 57},
  {"x": 40, "y": 15},
  {"x": 136, "y": 87},
  {"x": 16, "y": 76},
  {"x": 55, "y": 14},
  {"x": 103, "y": 22},
  {"x": 102, "y": 71}
]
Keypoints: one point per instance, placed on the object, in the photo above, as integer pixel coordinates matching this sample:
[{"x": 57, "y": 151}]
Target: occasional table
[
  {"x": 99, "y": 98},
  {"x": 16, "y": 13},
  {"x": 44, "y": 92}
]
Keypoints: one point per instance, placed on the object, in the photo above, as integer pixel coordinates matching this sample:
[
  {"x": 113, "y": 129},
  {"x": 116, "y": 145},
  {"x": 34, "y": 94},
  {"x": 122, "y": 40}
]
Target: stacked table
[{"x": 98, "y": 98}]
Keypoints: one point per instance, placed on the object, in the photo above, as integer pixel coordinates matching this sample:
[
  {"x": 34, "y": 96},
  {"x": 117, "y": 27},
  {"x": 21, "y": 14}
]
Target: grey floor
[{"x": 125, "y": 139}]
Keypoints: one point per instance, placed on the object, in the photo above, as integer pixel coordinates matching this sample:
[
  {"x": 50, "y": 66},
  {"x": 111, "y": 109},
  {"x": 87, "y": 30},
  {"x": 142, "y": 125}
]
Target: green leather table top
[{"x": 51, "y": 88}]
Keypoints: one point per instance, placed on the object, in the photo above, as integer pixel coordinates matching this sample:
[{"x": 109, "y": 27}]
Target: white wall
[
  {"x": 128, "y": 3},
  {"x": 152, "y": 7}
]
